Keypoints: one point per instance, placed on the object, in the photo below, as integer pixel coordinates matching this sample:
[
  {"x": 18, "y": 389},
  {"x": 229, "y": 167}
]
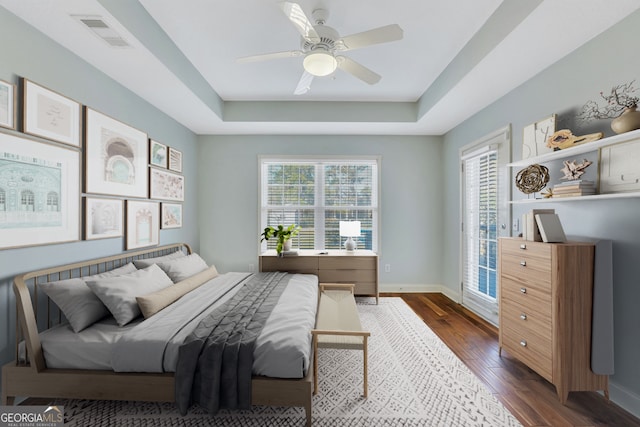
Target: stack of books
[{"x": 579, "y": 187}]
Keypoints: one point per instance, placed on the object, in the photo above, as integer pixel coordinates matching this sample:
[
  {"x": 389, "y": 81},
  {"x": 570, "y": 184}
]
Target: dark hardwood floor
[{"x": 527, "y": 395}]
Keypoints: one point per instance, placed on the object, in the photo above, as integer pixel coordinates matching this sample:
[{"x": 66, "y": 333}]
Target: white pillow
[
  {"x": 144, "y": 263},
  {"x": 183, "y": 268},
  {"x": 79, "y": 305},
  {"x": 119, "y": 293}
]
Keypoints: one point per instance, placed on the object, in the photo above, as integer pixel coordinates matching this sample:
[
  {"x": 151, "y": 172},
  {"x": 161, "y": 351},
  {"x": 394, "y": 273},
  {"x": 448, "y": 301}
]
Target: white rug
[{"x": 414, "y": 380}]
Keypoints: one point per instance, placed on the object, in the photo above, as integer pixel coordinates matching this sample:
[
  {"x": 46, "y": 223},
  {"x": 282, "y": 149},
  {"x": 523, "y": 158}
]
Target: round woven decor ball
[{"x": 532, "y": 179}]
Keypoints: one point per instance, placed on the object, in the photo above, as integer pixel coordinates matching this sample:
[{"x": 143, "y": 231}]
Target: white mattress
[{"x": 283, "y": 349}]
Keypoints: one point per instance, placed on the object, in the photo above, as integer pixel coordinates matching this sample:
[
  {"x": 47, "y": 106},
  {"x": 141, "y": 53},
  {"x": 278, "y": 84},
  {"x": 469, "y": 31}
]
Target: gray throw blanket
[{"x": 215, "y": 361}]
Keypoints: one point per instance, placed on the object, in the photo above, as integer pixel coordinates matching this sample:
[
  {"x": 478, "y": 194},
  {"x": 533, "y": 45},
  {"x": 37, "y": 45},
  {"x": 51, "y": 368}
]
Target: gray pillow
[
  {"x": 183, "y": 268},
  {"x": 79, "y": 305},
  {"x": 144, "y": 263},
  {"x": 119, "y": 293}
]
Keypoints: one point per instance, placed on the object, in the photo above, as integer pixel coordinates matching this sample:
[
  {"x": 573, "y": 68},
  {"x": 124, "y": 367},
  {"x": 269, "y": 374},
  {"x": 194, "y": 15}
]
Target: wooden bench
[{"x": 338, "y": 325}]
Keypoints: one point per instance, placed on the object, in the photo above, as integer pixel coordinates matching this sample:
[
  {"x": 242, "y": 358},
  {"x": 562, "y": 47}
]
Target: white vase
[{"x": 286, "y": 246}]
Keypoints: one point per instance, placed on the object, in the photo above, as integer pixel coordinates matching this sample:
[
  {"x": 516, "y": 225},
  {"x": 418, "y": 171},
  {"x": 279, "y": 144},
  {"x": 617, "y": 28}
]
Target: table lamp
[{"x": 350, "y": 229}]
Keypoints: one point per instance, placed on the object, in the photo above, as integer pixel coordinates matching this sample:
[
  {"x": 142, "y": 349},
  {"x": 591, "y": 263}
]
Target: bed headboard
[{"x": 30, "y": 304}]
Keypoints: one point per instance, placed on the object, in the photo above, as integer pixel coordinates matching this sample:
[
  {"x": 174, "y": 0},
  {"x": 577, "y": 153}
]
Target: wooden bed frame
[{"x": 32, "y": 378}]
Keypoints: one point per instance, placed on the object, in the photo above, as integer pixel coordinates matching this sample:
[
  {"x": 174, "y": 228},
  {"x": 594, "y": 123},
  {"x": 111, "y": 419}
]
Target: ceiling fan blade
[
  {"x": 357, "y": 70},
  {"x": 267, "y": 56},
  {"x": 388, "y": 33},
  {"x": 304, "y": 84},
  {"x": 296, "y": 15}
]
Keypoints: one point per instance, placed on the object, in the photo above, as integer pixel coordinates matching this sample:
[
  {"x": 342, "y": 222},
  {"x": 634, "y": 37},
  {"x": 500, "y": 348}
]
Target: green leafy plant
[{"x": 281, "y": 233}]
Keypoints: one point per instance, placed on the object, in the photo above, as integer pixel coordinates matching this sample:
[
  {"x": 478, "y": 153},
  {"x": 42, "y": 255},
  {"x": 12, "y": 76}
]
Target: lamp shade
[
  {"x": 320, "y": 63},
  {"x": 350, "y": 228}
]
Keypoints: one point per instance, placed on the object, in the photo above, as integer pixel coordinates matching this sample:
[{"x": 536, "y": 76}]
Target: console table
[{"x": 334, "y": 266}]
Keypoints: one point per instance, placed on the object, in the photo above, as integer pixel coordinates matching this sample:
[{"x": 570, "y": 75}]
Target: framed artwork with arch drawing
[{"x": 116, "y": 156}]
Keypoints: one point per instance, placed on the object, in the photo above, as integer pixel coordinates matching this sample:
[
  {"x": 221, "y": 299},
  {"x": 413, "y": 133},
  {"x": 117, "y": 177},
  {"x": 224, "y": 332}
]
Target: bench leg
[
  {"x": 366, "y": 375},
  {"x": 315, "y": 364}
]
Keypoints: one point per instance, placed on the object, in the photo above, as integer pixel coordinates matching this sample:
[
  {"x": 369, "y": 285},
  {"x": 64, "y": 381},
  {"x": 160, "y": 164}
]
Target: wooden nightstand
[{"x": 359, "y": 267}]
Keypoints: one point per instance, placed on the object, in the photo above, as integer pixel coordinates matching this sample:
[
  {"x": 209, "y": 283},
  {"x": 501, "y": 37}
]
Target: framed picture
[
  {"x": 534, "y": 137},
  {"x": 175, "y": 159},
  {"x": 115, "y": 157},
  {"x": 143, "y": 224},
  {"x": 50, "y": 115},
  {"x": 171, "y": 215},
  {"x": 39, "y": 192},
  {"x": 157, "y": 154},
  {"x": 619, "y": 167},
  {"x": 166, "y": 185},
  {"x": 103, "y": 218},
  {"x": 7, "y": 105}
]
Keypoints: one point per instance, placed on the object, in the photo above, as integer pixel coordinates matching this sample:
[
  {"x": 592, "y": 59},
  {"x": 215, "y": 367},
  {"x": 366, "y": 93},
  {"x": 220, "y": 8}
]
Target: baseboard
[
  {"x": 624, "y": 398},
  {"x": 419, "y": 288}
]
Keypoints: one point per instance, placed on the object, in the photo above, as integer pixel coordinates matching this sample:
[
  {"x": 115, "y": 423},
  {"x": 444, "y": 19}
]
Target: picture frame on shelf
[
  {"x": 116, "y": 156},
  {"x": 618, "y": 168},
  {"x": 142, "y": 224},
  {"x": 534, "y": 137},
  {"x": 8, "y": 103},
  {"x": 50, "y": 115},
  {"x": 157, "y": 154},
  {"x": 171, "y": 216},
  {"x": 103, "y": 218},
  {"x": 41, "y": 203},
  {"x": 175, "y": 160},
  {"x": 166, "y": 185}
]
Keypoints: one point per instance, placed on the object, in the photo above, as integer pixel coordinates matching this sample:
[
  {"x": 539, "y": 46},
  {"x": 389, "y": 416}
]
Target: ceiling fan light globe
[{"x": 320, "y": 64}]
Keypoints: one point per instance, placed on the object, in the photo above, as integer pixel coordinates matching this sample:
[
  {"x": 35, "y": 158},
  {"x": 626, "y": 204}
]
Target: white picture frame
[
  {"x": 534, "y": 137},
  {"x": 158, "y": 154},
  {"x": 143, "y": 224},
  {"x": 166, "y": 185},
  {"x": 41, "y": 205},
  {"x": 48, "y": 114},
  {"x": 171, "y": 216},
  {"x": 618, "y": 168},
  {"x": 7, "y": 105},
  {"x": 175, "y": 160},
  {"x": 103, "y": 218},
  {"x": 116, "y": 157}
]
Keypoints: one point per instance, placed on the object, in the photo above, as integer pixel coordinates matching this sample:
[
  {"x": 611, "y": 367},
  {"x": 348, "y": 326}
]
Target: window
[
  {"x": 317, "y": 194},
  {"x": 27, "y": 200}
]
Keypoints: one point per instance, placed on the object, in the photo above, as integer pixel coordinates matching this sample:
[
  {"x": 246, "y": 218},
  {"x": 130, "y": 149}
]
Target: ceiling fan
[{"x": 321, "y": 46}]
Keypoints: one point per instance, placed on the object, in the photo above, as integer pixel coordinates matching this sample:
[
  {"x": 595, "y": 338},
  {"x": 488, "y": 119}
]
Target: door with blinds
[{"x": 485, "y": 216}]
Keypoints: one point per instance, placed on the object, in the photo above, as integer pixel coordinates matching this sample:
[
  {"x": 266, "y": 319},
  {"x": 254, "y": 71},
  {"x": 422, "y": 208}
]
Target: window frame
[{"x": 319, "y": 192}]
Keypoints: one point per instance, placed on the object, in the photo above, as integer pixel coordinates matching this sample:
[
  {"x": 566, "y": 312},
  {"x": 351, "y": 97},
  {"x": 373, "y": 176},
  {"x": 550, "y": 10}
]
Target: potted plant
[{"x": 282, "y": 234}]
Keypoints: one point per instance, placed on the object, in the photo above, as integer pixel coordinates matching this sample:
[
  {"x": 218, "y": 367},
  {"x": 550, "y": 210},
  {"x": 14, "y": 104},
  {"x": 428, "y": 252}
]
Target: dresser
[
  {"x": 359, "y": 267},
  {"x": 546, "y": 309}
]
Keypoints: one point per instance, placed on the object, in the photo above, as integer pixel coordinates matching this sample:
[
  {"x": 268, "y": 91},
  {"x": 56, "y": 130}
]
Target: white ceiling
[{"x": 456, "y": 57}]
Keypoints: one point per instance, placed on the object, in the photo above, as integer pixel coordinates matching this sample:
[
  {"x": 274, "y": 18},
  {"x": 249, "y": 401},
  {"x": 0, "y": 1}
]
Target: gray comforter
[{"x": 215, "y": 361}]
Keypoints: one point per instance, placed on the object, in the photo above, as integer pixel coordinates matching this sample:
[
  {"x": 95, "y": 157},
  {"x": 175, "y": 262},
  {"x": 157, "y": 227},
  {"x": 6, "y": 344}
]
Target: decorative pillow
[
  {"x": 119, "y": 293},
  {"x": 79, "y": 305},
  {"x": 183, "y": 268},
  {"x": 144, "y": 263},
  {"x": 152, "y": 303}
]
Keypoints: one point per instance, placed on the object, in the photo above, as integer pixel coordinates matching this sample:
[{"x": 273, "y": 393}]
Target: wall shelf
[
  {"x": 580, "y": 149},
  {"x": 627, "y": 195}
]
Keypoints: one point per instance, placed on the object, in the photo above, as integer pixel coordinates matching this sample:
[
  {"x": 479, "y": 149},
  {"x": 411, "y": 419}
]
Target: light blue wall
[
  {"x": 563, "y": 88},
  {"x": 28, "y": 53},
  {"x": 411, "y": 193}
]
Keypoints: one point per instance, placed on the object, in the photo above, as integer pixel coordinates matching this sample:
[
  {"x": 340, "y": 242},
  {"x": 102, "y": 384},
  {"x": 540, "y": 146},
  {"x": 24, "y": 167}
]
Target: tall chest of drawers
[
  {"x": 546, "y": 308},
  {"x": 359, "y": 267}
]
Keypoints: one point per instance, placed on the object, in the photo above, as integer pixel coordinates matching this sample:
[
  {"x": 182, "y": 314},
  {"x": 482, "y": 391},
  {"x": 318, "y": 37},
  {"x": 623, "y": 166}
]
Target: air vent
[{"x": 100, "y": 28}]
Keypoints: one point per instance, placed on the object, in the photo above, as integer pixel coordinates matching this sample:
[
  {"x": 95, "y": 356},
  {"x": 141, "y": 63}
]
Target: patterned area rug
[{"x": 414, "y": 380}]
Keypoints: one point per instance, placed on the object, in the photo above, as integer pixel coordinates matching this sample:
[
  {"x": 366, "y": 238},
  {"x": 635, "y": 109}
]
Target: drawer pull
[
  {"x": 523, "y": 316},
  {"x": 523, "y": 343},
  {"x": 523, "y": 246},
  {"x": 523, "y": 263},
  {"x": 523, "y": 290}
]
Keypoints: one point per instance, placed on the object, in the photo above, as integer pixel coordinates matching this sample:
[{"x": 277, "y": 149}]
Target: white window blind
[{"x": 317, "y": 194}]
